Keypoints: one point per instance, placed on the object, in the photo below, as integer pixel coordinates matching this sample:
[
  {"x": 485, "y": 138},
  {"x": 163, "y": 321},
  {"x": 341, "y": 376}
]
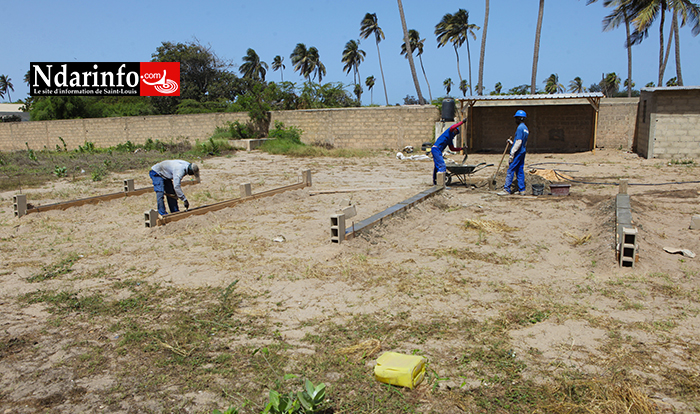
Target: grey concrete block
[
  {"x": 20, "y": 205},
  {"x": 128, "y": 185},
  {"x": 246, "y": 190}
]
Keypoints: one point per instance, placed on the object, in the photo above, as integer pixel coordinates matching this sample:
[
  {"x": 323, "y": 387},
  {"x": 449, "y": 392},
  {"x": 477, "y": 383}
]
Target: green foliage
[
  {"x": 234, "y": 130},
  {"x": 229, "y": 410},
  {"x": 30, "y": 153},
  {"x": 99, "y": 173},
  {"x": 87, "y": 148},
  {"x": 57, "y": 269},
  {"x": 213, "y": 146},
  {"x": 291, "y": 134},
  {"x": 310, "y": 400},
  {"x": 59, "y": 172}
]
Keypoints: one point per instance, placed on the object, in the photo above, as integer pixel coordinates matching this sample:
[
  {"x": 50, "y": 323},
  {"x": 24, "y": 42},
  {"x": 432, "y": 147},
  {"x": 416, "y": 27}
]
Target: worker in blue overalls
[
  {"x": 443, "y": 141},
  {"x": 516, "y": 162}
]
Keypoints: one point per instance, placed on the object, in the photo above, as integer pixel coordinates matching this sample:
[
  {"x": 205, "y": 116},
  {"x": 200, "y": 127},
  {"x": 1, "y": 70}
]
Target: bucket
[
  {"x": 426, "y": 146},
  {"x": 560, "y": 189},
  {"x": 537, "y": 189},
  {"x": 399, "y": 369}
]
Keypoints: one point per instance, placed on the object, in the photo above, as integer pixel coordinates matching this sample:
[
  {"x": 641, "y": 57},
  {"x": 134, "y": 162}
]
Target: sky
[{"x": 572, "y": 42}]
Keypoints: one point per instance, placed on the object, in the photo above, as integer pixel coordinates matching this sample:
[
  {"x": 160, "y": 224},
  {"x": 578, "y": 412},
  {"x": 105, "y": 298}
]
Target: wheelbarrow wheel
[{"x": 448, "y": 179}]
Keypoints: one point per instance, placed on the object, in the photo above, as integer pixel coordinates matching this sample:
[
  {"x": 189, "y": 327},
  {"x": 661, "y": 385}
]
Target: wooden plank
[
  {"x": 353, "y": 190},
  {"x": 225, "y": 204},
  {"x": 95, "y": 199}
]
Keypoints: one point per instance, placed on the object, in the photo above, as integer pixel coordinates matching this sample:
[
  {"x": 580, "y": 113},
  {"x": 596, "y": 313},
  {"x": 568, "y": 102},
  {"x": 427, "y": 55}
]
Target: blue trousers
[
  {"x": 439, "y": 163},
  {"x": 517, "y": 169},
  {"x": 163, "y": 186}
]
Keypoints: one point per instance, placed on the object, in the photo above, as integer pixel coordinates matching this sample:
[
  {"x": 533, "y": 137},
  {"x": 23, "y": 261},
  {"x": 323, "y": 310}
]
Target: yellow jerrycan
[{"x": 400, "y": 369}]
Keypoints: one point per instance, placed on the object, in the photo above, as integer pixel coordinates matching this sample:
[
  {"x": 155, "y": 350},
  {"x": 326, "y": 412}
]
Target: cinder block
[
  {"x": 695, "y": 222},
  {"x": 128, "y": 185},
  {"x": 20, "y": 205},
  {"x": 246, "y": 190},
  {"x": 623, "y": 188},
  {"x": 441, "y": 179},
  {"x": 151, "y": 218},
  {"x": 306, "y": 174},
  {"x": 337, "y": 228}
]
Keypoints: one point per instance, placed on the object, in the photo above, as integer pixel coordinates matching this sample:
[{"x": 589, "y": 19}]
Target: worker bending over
[
  {"x": 167, "y": 176},
  {"x": 443, "y": 141}
]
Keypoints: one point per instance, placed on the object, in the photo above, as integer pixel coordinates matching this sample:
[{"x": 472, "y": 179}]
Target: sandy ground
[{"x": 537, "y": 261}]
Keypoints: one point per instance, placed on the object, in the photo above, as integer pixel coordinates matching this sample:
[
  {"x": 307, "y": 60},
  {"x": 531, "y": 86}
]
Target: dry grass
[{"x": 488, "y": 226}]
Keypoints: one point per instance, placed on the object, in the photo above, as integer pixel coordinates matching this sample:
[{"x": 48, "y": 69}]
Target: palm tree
[
  {"x": 455, "y": 28},
  {"x": 447, "y": 83},
  {"x": 480, "y": 84},
  {"x": 536, "y": 54},
  {"x": 277, "y": 65},
  {"x": 370, "y": 85},
  {"x": 358, "y": 91},
  {"x": 463, "y": 86},
  {"x": 576, "y": 86},
  {"x": 497, "y": 88},
  {"x": 319, "y": 68},
  {"x": 610, "y": 84},
  {"x": 352, "y": 57},
  {"x": 409, "y": 55},
  {"x": 552, "y": 84},
  {"x": 645, "y": 12},
  {"x": 622, "y": 13},
  {"x": 6, "y": 86},
  {"x": 416, "y": 44},
  {"x": 302, "y": 61},
  {"x": 368, "y": 27},
  {"x": 253, "y": 67}
]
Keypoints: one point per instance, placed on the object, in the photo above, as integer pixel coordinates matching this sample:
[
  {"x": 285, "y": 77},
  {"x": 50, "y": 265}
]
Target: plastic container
[
  {"x": 560, "y": 189},
  {"x": 399, "y": 369},
  {"x": 537, "y": 189},
  {"x": 448, "y": 109}
]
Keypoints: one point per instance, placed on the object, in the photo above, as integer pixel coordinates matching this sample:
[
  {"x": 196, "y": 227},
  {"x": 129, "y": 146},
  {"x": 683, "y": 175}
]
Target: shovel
[{"x": 492, "y": 185}]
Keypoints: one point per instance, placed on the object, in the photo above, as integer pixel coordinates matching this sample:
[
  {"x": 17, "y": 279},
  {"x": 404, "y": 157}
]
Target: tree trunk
[
  {"x": 536, "y": 54},
  {"x": 661, "y": 44},
  {"x": 629, "y": 56},
  {"x": 458, "y": 72},
  {"x": 480, "y": 85},
  {"x": 469, "y": 61},
  {"x": 386, "y": 96},
  {"x": 410, "y": 54},
  {"x": 668, "y": 49},
  {"x": 677, "y": 40},
  {"x": 430, "y": 94}
]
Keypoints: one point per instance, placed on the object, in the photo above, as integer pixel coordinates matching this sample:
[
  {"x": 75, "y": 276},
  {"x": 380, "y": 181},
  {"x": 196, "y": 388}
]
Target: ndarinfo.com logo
[{"x": 104, "y": 78}]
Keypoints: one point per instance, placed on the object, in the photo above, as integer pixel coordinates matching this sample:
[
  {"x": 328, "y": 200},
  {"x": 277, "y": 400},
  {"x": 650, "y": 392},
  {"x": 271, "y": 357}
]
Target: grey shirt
[{"x": 173, "y": 170}]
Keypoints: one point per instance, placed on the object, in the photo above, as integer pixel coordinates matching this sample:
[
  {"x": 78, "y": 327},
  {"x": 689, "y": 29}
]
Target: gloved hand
[
  {"x": 510, "y": 159},
  {"x": 510, "y": 142},
  {"x": 464, "y": 121},
  {"x": 187, "y": 205}
]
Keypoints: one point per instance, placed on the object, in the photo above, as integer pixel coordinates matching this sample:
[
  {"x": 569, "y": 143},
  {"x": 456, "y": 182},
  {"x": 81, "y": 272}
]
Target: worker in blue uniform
[
  {"x": 167, "y": 176},
  {"x": 443, "y": 141},
  {"x": 516, "y": 162}
]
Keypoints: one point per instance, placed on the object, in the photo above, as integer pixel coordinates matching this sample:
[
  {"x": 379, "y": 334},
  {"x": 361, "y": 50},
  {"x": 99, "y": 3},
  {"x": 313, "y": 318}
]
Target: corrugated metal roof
[
  {"x": 672, "y": 88},
  {"x": 533, "y": 97}
]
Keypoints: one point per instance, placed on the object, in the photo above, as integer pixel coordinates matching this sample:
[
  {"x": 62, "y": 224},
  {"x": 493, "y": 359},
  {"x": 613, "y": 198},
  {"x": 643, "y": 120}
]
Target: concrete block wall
[
  {"x": 106, "y": 132},
  {"x": 668, "y": 123},
  {"x": 616, "y": 122},
  {"x": 364, "y": 128}
]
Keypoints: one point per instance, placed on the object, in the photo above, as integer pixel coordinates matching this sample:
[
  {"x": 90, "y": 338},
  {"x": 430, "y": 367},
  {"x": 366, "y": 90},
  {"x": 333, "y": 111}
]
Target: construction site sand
[{"x": 238, "y": 243}]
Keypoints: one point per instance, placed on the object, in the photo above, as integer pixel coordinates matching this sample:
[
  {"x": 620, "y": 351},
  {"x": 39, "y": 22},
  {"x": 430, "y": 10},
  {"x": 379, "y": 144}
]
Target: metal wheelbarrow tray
[{"x": 463, "y": 172}]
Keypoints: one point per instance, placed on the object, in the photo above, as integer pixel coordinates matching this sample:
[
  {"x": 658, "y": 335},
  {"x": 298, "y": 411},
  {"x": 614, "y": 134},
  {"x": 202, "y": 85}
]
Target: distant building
[{"x": 13, "y": 109}]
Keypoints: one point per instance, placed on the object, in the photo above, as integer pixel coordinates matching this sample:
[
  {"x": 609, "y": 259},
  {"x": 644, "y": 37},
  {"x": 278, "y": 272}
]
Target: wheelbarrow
[{"x": 463, "y": 172}]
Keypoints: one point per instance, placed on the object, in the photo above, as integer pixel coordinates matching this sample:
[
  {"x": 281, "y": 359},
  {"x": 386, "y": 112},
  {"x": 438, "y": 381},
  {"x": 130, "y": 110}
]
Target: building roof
[
  {"x": 672, "y": 88},
  {"x": 533, "y": 97}
]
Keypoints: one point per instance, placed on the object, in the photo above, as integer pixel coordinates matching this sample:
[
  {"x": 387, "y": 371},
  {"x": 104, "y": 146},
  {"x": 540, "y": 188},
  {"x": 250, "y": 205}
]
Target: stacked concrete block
[
  {"x": 20, "y": 204},
  {"x": 626, "y": 233}
]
